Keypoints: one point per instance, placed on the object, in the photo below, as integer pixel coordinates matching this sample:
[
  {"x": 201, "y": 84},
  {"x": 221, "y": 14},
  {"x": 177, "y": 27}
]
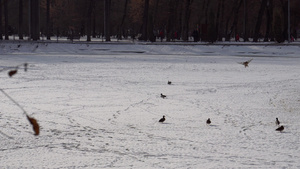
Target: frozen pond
[{"x": 99, "y": 105}]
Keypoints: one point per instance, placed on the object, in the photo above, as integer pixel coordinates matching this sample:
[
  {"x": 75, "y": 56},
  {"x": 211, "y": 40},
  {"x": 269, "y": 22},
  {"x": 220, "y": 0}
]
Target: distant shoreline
[{"x": 137, "y": 42}]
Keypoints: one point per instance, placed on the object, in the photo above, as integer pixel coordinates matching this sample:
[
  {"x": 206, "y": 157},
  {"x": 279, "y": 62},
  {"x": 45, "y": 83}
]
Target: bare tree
[
  {"x": 269, "y": 20},
  {"x": 212, "y": 31},
  {"x": 34, "y": 19},
  {"x": 218, "y": 17},
  {"x": 88, "y": 19},
  {"x": 1, "y": 38},
  {"x": 206, "y": 6},
  {"x": 155, "y": 11},
  {"x": 6, "y": 20},
  {"x": 259, "y": 20},
  {"x": 20, "y": 19},
  {"x": 94, "y": 19},
  {"x": 246, "y": 39},
  {"x": 278, "y": 28},
  {"x": 171, "y": 20},
  {"x": 48, "y": 19},
  {"x": 168, "y": 15},
  {"x": 233, "y": 27},
  {"x": 186, "y": 18},
  {"x": 227, "y": 38},
  {"x": 107, "y": 4},
  {"x": 180, "y": 19},
  {"x": 284, "y": 6},
  {"x": 221, "y": 30},
  {"x": 123, "y": 20},
  {"x": 145, "y": 21}
]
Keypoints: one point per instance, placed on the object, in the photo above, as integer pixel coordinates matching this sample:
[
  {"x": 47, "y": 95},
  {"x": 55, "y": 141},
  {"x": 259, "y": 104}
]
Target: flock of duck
[{"x": 208, "y": 121}]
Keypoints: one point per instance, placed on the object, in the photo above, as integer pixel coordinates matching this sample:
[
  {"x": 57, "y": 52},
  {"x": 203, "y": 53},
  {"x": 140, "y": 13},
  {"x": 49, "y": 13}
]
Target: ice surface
[{"x": 98, "y": 106}]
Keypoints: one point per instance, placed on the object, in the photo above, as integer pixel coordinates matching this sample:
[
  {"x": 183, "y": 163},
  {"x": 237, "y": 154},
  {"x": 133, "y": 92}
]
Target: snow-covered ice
[{"x": 98, "y": 106}]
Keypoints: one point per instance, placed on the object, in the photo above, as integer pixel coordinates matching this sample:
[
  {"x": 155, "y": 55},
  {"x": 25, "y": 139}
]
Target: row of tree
[{"x": 206, "y": 20}]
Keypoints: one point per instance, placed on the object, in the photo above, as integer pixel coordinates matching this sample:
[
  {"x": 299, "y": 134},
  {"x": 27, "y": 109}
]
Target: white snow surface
[{"x": 98, "y": 106}]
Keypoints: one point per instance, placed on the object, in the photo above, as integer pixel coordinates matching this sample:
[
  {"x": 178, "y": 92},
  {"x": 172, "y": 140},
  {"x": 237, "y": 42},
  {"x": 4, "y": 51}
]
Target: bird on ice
[
  {"x": 169, "y": 82},
  {"x": 162, "y": 119},
  {"x": 281, "y": 128},
  {"x": 246, "y": 64},
  {"x": 208, "y": 121},
  {"x": 277, "y": 121},
  {"x": 163, "y": 96}
]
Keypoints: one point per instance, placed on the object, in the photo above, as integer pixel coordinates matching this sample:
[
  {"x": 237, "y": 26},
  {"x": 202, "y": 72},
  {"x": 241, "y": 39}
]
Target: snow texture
[{"x": 98, "y": 106}]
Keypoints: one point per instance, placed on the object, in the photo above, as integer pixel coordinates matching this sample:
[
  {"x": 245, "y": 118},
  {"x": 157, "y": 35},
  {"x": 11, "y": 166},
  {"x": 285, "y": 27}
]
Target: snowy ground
[{"x": 98, "y": 106}]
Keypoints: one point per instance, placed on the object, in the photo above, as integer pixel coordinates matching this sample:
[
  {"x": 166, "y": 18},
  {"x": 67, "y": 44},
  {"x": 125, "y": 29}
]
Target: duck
[
  {"x": 246, "y": 63},
  {"x": 281, "y": 128},
  {"x": 162, "y": 119},
  {"x": 163, "y": 96},
  {"x": 277, "y": 122},
  {"x": 208, "y": 121}
]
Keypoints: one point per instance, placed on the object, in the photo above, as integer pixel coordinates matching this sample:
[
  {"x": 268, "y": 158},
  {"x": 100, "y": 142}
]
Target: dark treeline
[{"x": 151, "y": 20}]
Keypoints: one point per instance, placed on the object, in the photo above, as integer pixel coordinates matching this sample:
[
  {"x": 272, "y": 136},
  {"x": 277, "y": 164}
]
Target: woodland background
[{"x": 205, "y": 20}]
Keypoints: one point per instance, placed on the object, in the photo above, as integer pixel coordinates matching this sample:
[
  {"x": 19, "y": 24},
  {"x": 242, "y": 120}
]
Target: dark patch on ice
[
  {"x": 100, "y": 49},
  {"x": 266, "y": 56},
  {"x": 129, "y": 51}
]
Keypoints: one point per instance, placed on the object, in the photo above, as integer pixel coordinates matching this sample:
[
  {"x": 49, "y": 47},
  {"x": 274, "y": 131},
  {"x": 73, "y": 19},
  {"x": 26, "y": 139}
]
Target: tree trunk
[
  {"x": 259, "y": 20},
  {"x": 123, "y": 20},
  {"x": 187, "y": 13},
  {"x": 34, "y": 19},
  {"x": 284, "y": 5},
  {"x": 246, "y": 39},
  {"x": 278, "y": 28},
  {"x": 155, "y": 11},
  {"x": 180, "y": 18},
  {"x": 107, "y": 19},
  {"x": 269, "y": 20},
  {"x": 20, "y": 19},
  {"x": 94, "y": 20},
  {"x": 221, "y": 30},
  {"x": 6, "y": 20},
  {"x": 1, "y": 37},
  {"x": 170, "y": 24},
  {"x": 48, "y": 20},
  {"x": 271, "y": 10},
  {"x": 151, "y": 36},
  {"x": 145, "y": 21},
  {"x": 212, "y": 33},
  {"x": 218, "y": 18},
  {"x": 206, "y": 12},
  {"x": 89, "y": 21},
  {"x": 235, "y": 20},
  {"x": 177, "y": 21},
  {"x": 227, "y": 38}
]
